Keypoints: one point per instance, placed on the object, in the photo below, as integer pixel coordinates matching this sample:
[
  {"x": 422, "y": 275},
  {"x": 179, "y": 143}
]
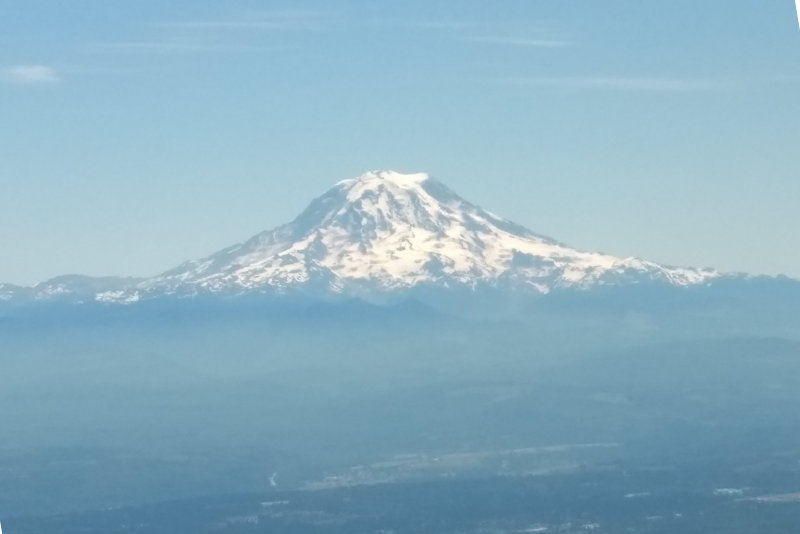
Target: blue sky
[{"x": 135, "y": 135}]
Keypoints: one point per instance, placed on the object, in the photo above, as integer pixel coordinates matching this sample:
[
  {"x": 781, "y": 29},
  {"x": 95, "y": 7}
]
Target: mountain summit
[{"x": 377, "y": 235}]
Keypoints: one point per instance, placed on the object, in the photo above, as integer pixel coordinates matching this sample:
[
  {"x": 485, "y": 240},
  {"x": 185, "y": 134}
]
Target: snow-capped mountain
[
  {"x": 378, "y": 235},
  {"x": 384, "y": 232},
  {"x": 72, "y": 287}
]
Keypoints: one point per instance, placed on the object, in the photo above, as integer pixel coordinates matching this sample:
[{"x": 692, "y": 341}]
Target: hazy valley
[{"x": 469, "y": 378}]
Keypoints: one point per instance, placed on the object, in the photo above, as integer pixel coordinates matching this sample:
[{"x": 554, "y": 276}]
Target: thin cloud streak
[
  {"x": 278, "y": 20},
  {"x": 217, "y": 36},
  {"x": 175, "y": 48},
  {"x": 523, "y": 42},
  {"x": 440, "y": 25},
  {"x": 238, "y": 25},
  {"x": 610, "y": 83},
  {"x": 30, "y": 75}
]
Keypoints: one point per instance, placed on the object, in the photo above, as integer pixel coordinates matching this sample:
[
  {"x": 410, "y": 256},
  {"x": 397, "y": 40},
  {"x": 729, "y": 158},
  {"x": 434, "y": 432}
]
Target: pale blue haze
[{"x": 135, "y": 135}]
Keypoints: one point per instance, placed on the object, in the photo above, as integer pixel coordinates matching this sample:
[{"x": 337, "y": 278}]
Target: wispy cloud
[
  {"x": 272, "y": 20},
  {"x": 228, "y": 35},
  {"x": 235, "y": 25},
  {"x": 29, "y": 74},
  {"x": 523, "y": 42},
  {"x": 439, "y": 25},
  {"x": 176, "y": 47},
  {"x": 620, "y": 83}
]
